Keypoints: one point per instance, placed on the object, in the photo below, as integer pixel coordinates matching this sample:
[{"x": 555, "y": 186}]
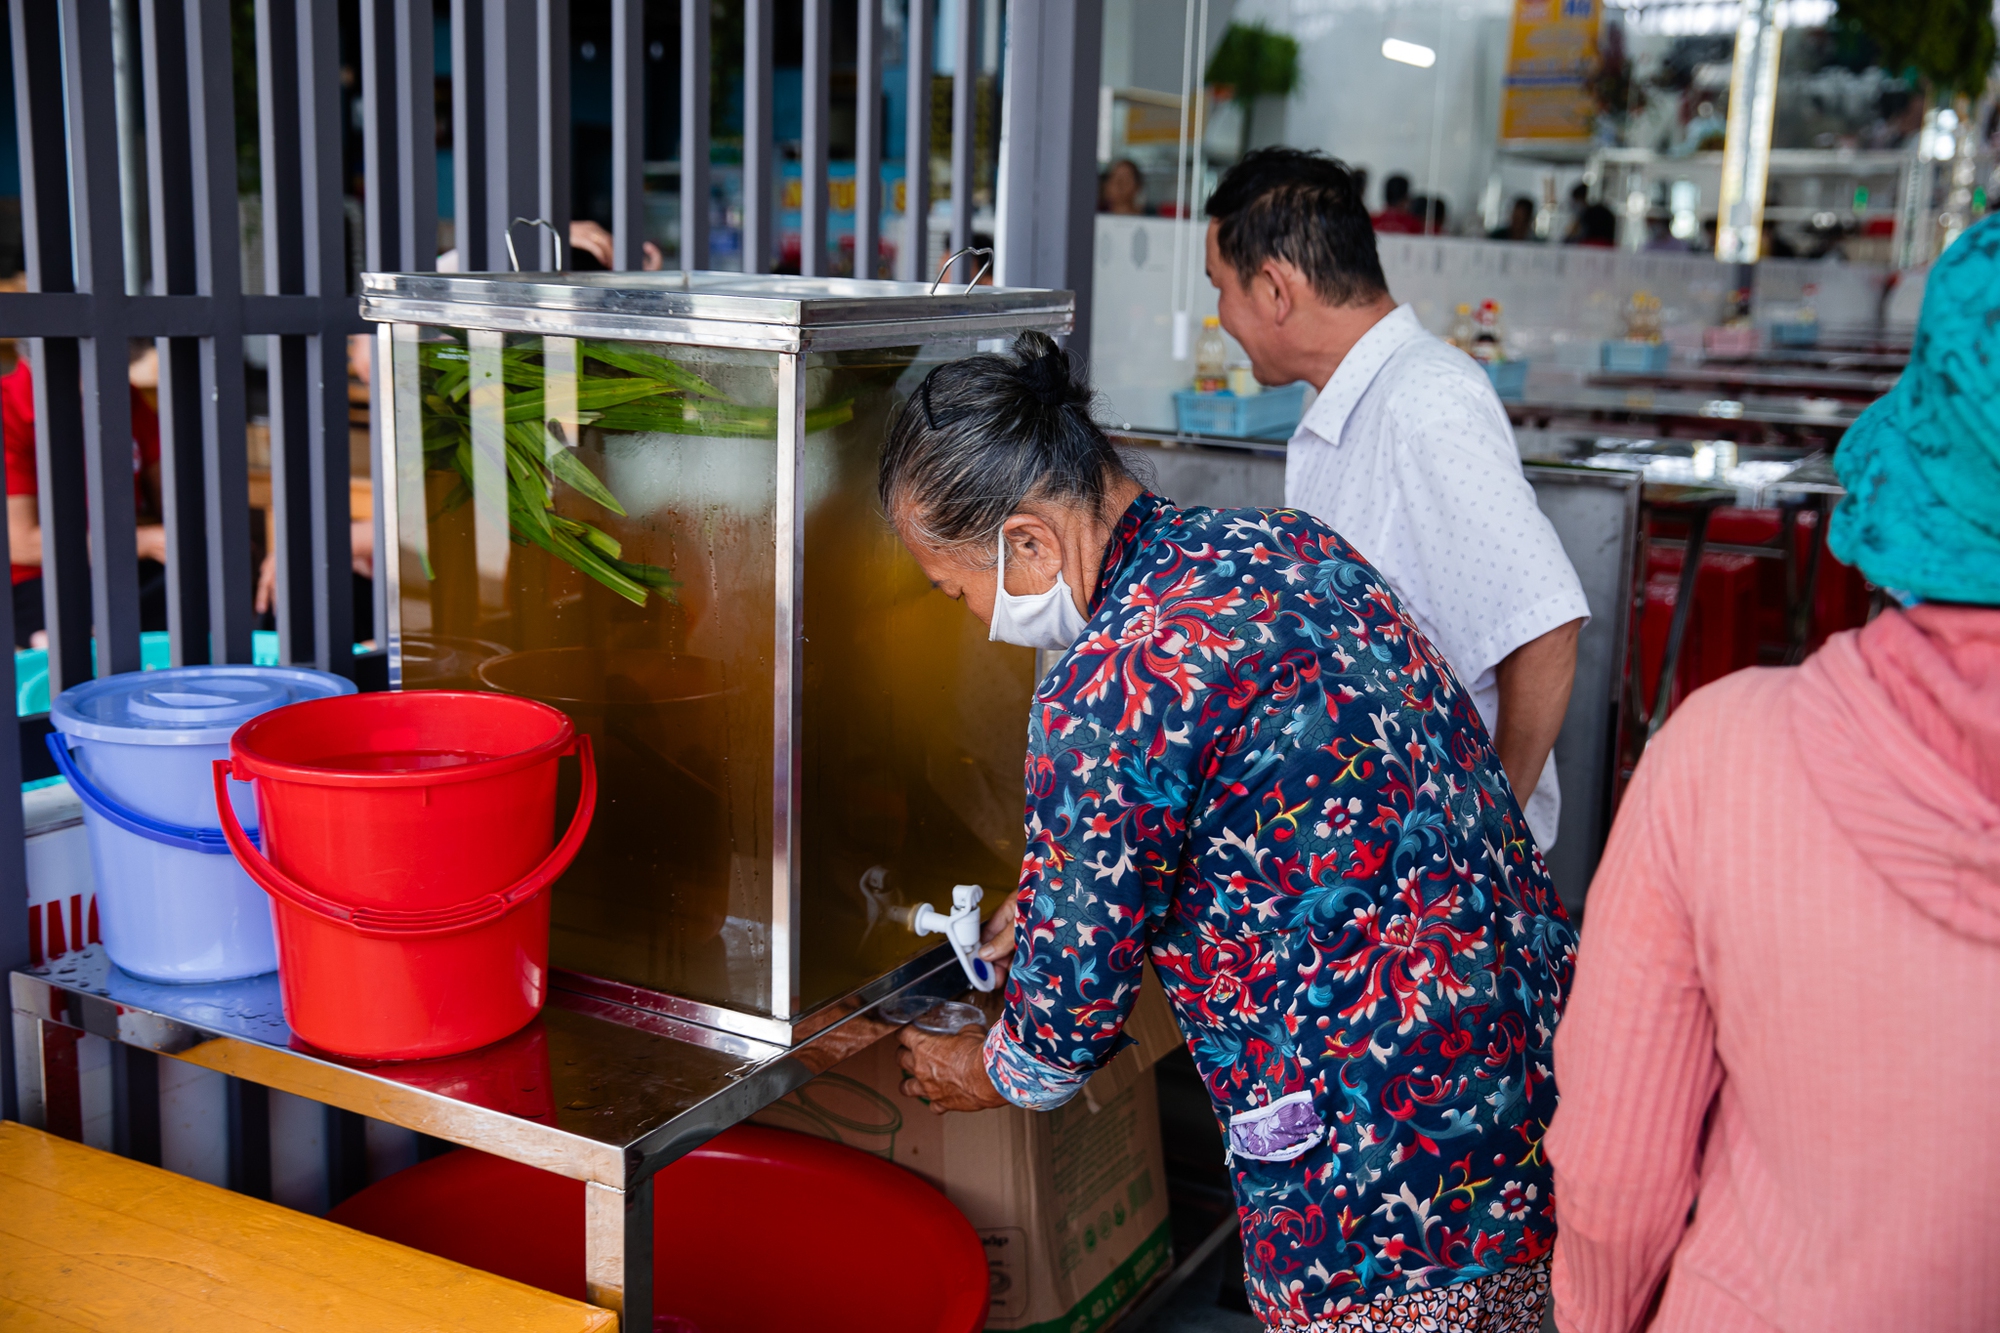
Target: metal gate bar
[
  {"x": 511, "y": 133},
  {"x": 916, "y": 142},
  {"x": 964, "y": 79},
  {"x": 867, "y": 136},
  {"x": 628, "y": 134},
  {"x": 694, "y": 133},
  {"x": 817, "y": 78},
  {"x": 758, "y": 229}
]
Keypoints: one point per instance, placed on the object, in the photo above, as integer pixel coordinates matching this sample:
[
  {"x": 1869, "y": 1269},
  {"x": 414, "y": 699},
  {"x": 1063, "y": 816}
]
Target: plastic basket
[
  {"x": 1272, "y": 414},
  {"x": 1729, "y": 340},
  {"x": 1510, "y": 378},
  {"x": 1634, "y": 358},
  {"x": 31, "y": 665}
]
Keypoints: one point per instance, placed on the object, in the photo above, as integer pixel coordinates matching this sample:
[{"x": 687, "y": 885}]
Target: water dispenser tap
[{"x": 962, "y": 929}]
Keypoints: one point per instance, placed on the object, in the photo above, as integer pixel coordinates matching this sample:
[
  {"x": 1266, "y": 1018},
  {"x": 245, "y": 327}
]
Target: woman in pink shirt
[{"x": 1780, "y": 1065}]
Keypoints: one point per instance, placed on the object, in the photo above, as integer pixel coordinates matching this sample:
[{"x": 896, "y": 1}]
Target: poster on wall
[{"x": 1549, "y": 65}]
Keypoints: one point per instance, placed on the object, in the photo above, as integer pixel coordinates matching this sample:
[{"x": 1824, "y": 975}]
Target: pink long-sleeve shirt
[{"x": 1786, "y": 1014}]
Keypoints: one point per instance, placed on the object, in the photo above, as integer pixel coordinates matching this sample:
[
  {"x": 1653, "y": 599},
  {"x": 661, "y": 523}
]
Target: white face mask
[{"x": 1041, "y": 620}]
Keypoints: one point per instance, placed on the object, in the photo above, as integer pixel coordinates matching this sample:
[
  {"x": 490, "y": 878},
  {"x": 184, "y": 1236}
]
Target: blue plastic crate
[
  {"x": 1795, "y": 333},
  {"x": 1272, "y": 414},
  {"x": 1510, "y": 378},
  {"x": 1634, "y": 358},
  {"x": 31, "y": 665}
]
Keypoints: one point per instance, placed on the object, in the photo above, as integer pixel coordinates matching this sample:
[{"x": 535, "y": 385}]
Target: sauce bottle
[{"x": 1211, "y": 358}]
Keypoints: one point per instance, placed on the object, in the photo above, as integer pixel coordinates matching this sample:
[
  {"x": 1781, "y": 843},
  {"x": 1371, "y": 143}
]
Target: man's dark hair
[
  {"x": 1302, "y": 208},
  {"x": 1395, "y": 190},
  {"x": 1597, "y": 226}
]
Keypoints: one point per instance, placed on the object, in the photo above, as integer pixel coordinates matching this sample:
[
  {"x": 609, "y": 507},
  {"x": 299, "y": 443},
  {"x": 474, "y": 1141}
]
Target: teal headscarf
[{"x": 1922, "y": 464}]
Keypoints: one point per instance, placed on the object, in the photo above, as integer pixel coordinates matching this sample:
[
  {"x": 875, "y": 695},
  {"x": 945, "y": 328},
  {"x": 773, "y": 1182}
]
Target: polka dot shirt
[{"x": 1408, "y": 455}]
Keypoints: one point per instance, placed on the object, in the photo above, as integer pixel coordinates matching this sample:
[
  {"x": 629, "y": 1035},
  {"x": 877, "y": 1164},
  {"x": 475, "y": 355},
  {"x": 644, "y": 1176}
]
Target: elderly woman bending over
[{"x": 1250, "y": 767}]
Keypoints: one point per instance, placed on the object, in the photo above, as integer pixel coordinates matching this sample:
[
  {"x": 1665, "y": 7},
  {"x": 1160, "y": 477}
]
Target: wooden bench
[{"x": 89, "y": 1240}]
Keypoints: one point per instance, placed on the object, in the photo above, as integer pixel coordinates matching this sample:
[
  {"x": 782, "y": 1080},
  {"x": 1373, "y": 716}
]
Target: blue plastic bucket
[{"x": 172, "y": 904}]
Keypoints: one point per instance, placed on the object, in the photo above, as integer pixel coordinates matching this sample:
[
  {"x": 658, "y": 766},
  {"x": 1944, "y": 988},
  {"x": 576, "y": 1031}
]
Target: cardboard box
[{"x": 1071, "y": 1204}]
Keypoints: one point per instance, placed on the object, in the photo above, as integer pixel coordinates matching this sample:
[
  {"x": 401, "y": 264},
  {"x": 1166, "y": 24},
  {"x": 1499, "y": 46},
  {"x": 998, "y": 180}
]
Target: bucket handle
[
  {"x": 389, "y": 923},
  {"x": 209, "y": 840}
]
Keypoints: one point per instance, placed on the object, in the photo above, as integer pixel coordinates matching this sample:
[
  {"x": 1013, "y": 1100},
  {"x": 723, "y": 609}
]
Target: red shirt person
[
  {"x": 1397, "y": 216},
  {"x": 24, "y": 525}
]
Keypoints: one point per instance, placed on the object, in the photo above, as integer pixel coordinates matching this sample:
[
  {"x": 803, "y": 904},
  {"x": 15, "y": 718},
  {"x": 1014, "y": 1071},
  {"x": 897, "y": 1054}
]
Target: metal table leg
[
  {"x": 1800, "y": 628},
  {"x": 28, "y": 1081},
  {"x": 1683, "y": 607},
  {"x": 618, "y": 1251},
  {"x": 135, "y": 1103}
]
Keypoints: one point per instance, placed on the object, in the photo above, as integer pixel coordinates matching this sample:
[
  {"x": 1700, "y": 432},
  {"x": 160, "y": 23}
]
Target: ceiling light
[{"x": 1409, "y": 53}]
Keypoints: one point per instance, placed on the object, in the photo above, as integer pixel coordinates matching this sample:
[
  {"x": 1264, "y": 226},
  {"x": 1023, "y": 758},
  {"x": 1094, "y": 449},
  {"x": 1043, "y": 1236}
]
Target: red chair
[{"x": 758, "y": 1229}]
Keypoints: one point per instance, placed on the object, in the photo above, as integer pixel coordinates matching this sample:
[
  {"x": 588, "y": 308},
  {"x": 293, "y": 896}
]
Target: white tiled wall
[{"x": 1557, "y": 302}]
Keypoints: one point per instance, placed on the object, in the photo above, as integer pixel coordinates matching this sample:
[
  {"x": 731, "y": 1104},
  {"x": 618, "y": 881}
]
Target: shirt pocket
[{"x": 1286, "y": 1128}]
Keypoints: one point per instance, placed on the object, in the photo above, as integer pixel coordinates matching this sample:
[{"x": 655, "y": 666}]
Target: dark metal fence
[{"x": 511, "y": 140}]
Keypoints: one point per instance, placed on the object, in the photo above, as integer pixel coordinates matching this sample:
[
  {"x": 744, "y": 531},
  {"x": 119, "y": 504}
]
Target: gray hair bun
[{"x": 988, "y": 434}]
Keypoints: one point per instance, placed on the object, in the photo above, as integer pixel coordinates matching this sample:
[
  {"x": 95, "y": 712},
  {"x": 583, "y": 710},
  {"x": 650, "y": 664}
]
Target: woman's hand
[
  {"x": 948, "y": 1072},
  {"x": 996, "y": 942}
]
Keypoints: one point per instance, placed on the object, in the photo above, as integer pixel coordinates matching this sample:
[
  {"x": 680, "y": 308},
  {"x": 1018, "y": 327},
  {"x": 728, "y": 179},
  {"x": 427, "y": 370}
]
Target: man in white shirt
[{"x": 1406, "y": 452}]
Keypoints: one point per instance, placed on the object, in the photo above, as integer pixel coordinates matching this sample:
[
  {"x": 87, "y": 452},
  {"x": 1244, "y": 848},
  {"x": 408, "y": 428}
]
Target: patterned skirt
[{"x": 1507, "y": 1302}]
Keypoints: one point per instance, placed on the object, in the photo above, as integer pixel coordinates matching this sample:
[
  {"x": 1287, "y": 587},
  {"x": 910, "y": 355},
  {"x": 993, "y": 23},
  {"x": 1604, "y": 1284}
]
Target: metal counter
[
  {"x": 1712, "y": 413},
  {"x": 1803, "y": 381},
  {"x": 600, "y": 1091},
  {"x": 1595, "y": 513},
  {"x": 1592, "y": 488}
]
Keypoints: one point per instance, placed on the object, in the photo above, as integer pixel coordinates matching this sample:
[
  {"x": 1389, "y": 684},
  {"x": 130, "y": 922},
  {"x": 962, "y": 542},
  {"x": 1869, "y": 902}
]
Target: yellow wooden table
[{"x": 93, "y": 1241}]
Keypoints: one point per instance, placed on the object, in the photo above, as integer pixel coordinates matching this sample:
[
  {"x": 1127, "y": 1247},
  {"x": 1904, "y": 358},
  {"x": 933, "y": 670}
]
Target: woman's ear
[{"x": 1034, "y": 546}]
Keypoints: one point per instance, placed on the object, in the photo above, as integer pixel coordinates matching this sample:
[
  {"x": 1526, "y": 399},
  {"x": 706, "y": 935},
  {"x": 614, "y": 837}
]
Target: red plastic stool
[{"x": 760, "y": 1229}]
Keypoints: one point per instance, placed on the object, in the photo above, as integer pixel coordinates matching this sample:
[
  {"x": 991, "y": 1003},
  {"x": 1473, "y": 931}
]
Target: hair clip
[{"x": 924, "y": 392}]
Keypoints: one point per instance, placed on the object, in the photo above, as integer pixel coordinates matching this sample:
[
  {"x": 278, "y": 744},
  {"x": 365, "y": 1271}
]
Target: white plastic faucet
[{"x": 962, "y": 929}]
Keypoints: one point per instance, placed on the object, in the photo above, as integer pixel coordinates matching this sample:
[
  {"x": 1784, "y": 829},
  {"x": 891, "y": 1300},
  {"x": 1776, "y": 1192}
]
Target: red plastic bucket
[
  {"x": 758, "y": 1229},
  {"x": 406, "y": 853}
]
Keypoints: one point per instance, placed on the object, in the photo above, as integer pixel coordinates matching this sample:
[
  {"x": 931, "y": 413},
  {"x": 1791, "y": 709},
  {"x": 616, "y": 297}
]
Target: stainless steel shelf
[{"x": 597, "y": 1090}]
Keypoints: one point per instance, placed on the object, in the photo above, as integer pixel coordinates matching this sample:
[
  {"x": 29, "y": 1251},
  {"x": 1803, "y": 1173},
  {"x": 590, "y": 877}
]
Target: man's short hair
[
  {"x": 1301, "y": 208},
  {"x": 1396, "y": 189},
  {"x": 1598, "y": 225}
]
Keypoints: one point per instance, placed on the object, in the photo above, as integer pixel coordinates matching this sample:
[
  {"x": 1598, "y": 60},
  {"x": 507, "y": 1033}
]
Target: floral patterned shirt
[{"x": 1254, "y": 769}]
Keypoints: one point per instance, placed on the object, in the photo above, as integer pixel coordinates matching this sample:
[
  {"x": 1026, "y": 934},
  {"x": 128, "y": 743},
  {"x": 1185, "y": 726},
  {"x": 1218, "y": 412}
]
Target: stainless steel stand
[{"x": 597, "y": 1090}]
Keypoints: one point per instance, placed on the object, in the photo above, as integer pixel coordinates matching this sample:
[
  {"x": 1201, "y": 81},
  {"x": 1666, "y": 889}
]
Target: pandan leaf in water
[{"x": 649, "y": 393}]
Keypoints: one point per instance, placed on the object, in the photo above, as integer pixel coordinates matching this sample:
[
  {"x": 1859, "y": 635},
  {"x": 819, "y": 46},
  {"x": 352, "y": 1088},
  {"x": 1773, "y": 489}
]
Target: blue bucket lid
[{"x": 197, "y": 705}]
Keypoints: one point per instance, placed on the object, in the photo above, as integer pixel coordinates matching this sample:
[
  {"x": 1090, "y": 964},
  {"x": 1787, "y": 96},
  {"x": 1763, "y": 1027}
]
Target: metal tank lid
[{"x": 775, "y": 312}]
